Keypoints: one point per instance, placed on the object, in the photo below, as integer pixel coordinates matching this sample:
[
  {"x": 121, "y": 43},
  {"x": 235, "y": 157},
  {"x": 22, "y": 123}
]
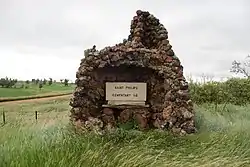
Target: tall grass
[{"x": 222, "y": 140}]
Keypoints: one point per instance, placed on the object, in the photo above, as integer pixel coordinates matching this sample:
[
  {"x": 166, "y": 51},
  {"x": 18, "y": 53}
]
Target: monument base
[{"x": 115, "y": 114}]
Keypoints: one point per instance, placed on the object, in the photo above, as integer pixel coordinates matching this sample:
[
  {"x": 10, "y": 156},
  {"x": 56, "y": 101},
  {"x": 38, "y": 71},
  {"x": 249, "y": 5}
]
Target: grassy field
[
  {"x": 34, "y": 90},
  {"x": 223, "y": 140}
]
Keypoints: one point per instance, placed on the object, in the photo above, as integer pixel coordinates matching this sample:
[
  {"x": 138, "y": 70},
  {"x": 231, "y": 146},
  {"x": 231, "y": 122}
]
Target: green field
[
  {"x": 33, "y": 90},
  {"x": 222, "y": 140}
]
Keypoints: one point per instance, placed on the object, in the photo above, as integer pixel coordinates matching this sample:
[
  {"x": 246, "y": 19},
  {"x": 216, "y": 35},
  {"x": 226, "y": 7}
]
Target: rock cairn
[{"x": 148, "y": 52}]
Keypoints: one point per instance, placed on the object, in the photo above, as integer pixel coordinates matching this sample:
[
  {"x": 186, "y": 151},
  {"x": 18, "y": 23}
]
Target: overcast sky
[{"x": 47, "y": 38}]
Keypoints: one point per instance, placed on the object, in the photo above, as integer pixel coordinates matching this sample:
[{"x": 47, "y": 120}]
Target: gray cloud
[{"x": 206, "y": 35}]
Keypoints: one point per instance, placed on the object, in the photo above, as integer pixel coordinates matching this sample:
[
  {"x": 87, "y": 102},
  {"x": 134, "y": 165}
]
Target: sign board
[{"x": 126, "y": 92}]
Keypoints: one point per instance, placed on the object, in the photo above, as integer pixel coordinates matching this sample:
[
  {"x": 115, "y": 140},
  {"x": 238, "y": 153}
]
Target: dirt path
[{"x": 40, "y": 99}]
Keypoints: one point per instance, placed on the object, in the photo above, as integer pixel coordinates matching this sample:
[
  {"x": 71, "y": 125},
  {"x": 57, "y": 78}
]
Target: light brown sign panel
[{"x": 126, "y": 91}]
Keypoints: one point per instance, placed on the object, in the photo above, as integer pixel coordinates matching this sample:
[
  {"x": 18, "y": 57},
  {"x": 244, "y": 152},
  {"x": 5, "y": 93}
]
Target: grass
[
  {"x": 222, "y": 140},
  {"x": 33, "y": 90}
]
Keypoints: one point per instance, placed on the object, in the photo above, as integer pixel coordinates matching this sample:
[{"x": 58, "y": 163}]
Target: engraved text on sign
[{"x": 126, "y": 92}]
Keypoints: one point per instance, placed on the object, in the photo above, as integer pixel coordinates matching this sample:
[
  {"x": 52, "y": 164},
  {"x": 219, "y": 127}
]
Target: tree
[
  {"x": 14, "y": 81},
  {"x": 44, "y": 81},
  {"x": 40, "y": 85},
  {"x": 207, "y": 77},
  {"x": 27, "y": 82},
  {"x": 241, "y": 67},
  {"x": 61, "y": 80},
  {"x": 66, "y": 82},
  {"x": 2, "y": 82},
  {"x": 37, "y": 81},
  {"x": 50, "y": 81}
]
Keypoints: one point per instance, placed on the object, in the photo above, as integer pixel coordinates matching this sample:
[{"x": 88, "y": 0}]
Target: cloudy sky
[{"x": 47, "y": 38}]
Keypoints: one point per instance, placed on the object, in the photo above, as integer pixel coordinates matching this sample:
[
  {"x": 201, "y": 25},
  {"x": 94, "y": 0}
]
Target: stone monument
[{"x": 140, "y": 79}]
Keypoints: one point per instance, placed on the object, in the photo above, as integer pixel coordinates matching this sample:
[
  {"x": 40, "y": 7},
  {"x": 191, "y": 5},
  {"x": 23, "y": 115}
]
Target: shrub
[{"x": 234, "y": 90}]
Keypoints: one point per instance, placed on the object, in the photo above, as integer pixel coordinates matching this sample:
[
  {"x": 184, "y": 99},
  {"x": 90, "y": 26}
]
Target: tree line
[
  {"x": 11, "y": 83},
  {"x": 7, "y": 82}
]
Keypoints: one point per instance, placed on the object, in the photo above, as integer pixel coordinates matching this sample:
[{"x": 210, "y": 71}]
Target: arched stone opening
[{"x": 130, "y": 74}]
